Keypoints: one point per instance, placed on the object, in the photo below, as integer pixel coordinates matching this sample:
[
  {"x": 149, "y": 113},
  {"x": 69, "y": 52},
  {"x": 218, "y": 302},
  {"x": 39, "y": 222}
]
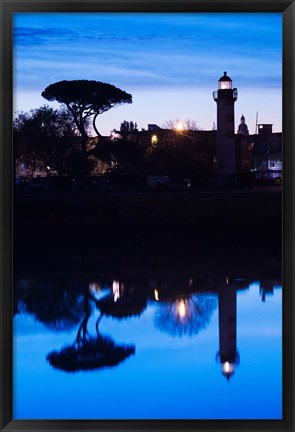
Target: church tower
[
  {"x": 225, "y": 98},
  {"x": 243, "y": 128}
]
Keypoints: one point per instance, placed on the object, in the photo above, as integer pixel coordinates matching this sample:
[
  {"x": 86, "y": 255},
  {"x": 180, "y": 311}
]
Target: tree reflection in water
[
  {"x": 124, "y": 301},
  {"x": 186, "y": 315},
  {"x": 58, "y": 305},
  {"x": 89, "y": 352}
]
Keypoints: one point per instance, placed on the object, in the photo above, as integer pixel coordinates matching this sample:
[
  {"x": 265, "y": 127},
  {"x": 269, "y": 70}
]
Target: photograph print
[{"x": 147, "y": 216}]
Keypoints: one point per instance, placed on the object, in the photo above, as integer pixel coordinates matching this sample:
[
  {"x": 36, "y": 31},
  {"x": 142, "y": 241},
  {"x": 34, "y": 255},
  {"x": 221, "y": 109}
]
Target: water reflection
[
  {"x": 228, "y": 355},
  {"x": 124, "y": 301},
  {"x": 58, "y": 304},
  {"x": 266, "y": 288},
  {"x": 186, "y": 315},
  {"x": 182, "y": 307},
  {"x": 88, "y": 351}
]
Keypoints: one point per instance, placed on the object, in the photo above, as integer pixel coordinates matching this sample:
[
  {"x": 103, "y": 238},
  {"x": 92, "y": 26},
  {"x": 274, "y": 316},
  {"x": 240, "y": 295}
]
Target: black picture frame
[{"x": 7, "y": 8}]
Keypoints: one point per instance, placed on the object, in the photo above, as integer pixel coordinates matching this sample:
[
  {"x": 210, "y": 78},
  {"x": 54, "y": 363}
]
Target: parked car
[
  {"x": 104, "y": 185},
  {"x": 92, "y": 184},
  {"x": 183, "y": 185},
  {"x": 223, "y": 183},
  {"x": 62, "y": 183},
  {"x": 158, "y": 182},
  {"x": 84, "y": 185},
  {"x": 214, "y": 184},
  {"x": 41, "y": 183},
  {"x": 265, "y": 181},
  {"x": 22, "y": 182}
]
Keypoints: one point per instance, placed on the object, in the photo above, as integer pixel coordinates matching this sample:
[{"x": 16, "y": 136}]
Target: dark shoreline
[{"x": 236, "y": 233}]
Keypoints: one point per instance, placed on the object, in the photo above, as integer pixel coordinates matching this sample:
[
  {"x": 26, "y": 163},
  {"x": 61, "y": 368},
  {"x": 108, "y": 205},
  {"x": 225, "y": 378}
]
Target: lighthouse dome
[
  {"x": 225, "y": 82},
  {"x": 225, "y": 77}
]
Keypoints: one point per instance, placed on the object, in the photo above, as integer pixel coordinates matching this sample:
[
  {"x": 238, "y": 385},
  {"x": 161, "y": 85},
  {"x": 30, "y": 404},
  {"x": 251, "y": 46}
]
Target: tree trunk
[
  {"x": 94, "y": 126},
  {"x": 86, "y": 168}
]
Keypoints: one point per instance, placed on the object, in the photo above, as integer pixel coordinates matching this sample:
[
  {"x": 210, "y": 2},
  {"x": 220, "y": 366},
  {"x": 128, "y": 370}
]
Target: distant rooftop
[{"x": 152, "y": 127}]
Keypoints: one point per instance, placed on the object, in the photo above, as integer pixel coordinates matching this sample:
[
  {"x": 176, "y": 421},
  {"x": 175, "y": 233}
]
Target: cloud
[{"x": 34, "y": 36}]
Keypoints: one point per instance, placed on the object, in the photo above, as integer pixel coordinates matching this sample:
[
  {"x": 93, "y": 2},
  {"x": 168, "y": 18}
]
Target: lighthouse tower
[{"x": 225, "y": 98}]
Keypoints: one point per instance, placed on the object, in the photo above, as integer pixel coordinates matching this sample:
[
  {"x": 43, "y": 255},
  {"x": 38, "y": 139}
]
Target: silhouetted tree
[
  {"x": 128, "y": 126},
  {"x": 86, "y": 99},
  {"x": 46, "y": 135},
  {"x": 180, "y": 155},
  {"x": 181, "y": 125},
  {"x": 126, "y": 153}
]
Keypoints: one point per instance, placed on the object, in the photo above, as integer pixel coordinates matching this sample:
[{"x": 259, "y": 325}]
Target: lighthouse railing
[
  {"x": 215, "y": 95},
  {"x": 234, "y": 94}
]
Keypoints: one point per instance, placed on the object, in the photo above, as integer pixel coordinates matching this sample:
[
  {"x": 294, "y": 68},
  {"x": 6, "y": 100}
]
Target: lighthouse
[{"x": 225, "y": 98}]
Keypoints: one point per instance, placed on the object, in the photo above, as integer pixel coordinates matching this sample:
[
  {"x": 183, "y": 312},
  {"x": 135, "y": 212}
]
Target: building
[
  {"x": 267, "y": 151},
  {"x": 262, "y": 152}
]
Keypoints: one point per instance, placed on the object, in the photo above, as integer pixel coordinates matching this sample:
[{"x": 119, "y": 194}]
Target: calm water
[{"x": 147, "y": 348}]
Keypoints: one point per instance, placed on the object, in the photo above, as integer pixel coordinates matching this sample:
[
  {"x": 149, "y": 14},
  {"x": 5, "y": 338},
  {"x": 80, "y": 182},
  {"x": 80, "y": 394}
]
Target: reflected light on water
[
  {"x": 94, "y": 288},
  {"x": 181, "y": 309},
  {"x": 116, "y": 290},
  {"x": 228, "y": 369},
  {"x": 156, "y": 295}
]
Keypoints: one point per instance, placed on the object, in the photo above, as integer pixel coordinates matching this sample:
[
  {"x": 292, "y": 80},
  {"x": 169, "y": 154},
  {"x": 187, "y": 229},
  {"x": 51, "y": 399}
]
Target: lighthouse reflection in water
[
  {"x": 154, "y": 348},
  {"x": 227, "y": 354}
]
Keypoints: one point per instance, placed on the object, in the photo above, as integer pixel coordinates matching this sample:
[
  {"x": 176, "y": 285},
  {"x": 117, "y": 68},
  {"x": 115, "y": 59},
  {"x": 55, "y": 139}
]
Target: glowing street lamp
[{"x": 154, "y": 139}]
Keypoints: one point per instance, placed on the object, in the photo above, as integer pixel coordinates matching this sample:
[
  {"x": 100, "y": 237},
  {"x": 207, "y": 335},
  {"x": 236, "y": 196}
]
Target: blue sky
[{"x": 169, "y": 62}]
